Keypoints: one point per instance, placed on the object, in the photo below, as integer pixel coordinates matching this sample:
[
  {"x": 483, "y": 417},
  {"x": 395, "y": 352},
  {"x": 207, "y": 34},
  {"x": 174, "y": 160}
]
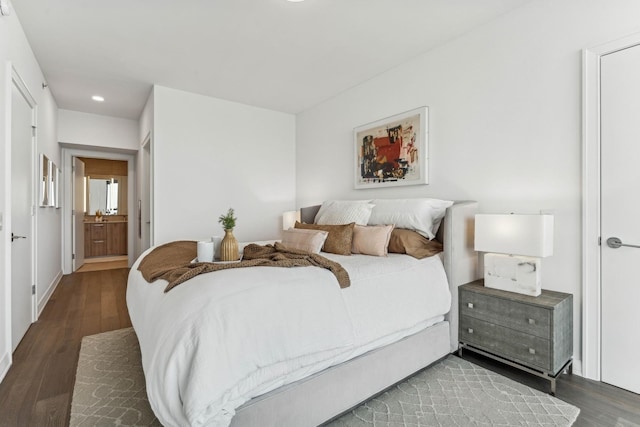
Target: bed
[{"x": 290, "y": 377}]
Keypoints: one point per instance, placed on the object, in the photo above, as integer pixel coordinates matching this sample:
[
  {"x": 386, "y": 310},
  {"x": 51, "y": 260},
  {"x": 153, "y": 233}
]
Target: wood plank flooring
[{"x": 38, "y": 388}]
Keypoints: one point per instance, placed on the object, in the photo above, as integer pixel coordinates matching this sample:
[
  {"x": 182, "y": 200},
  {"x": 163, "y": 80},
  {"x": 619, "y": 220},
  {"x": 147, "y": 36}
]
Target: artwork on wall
[
  {"x": 392, "y": 151},
  {"x": 45, "y": 178},
  {"x": 49, "y": 183}
]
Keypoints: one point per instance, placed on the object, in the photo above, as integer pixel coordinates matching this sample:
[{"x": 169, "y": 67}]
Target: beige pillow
[
  {"x": 371, "y": 240},
  {"x": 412, "y": 243},
  {"x": 304, "y": 240},
  {"x": 339, "y": 239}
]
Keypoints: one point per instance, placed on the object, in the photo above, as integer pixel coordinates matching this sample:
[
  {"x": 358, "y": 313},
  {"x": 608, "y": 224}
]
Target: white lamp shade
[
  {"x": 289, "y": 219},
  {"x": 515, "y": 234}
]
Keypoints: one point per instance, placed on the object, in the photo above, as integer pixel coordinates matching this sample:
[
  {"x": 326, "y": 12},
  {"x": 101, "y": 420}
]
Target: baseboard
[
  {"x": 577, "y": 367},
  {"x": 52, "y": 287},
  {"x": 5, "y": 364}
]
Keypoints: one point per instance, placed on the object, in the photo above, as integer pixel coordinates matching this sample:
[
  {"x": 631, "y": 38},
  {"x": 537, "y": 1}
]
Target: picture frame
[
  {"x": 393, "y": 151},
  {"x": 44, "y": 185}
]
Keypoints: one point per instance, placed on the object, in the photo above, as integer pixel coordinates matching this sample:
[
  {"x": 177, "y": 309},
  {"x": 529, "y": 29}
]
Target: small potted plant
[
  {"x": 98, "y": 215},
  {"x": 229, "y": 244}
]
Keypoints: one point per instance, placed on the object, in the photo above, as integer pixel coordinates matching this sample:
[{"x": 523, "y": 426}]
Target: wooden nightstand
[{"x": 534, "y": 334}]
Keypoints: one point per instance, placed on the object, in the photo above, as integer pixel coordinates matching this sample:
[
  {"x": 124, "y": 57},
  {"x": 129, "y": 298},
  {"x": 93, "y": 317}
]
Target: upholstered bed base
[
  {"x": 329, "y": 393},
  {"x": 314, "y": 400}
]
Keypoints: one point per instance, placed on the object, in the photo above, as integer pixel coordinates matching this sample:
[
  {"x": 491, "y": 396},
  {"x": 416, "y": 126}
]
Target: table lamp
[
  {"x": 289, "y": 219},
  {"x": 514, "y": 245}
]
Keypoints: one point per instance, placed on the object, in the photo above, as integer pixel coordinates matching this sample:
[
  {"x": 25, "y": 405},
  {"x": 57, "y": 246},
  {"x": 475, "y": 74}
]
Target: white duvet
[{"x": 222, "y": 338}]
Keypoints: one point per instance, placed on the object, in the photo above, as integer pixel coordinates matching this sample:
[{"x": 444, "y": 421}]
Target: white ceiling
[{"x": 268, "y": 53}]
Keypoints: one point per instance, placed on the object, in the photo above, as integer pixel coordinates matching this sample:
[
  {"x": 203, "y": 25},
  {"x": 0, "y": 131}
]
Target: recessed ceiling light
[
  {"x": 97, "y": 98},
  {"x": 295, "y": 1}
]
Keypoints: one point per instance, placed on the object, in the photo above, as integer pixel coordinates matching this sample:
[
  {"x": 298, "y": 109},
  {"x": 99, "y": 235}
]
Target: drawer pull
[
  {"x": 532, "y": 351},
  {"x": 98, "y": 241},
  {"x": 470, "y": 330},
  {"x": 532, "y": 321},
  {"x": 98, "y": 225},
  {"x": 470, "y": 304}
]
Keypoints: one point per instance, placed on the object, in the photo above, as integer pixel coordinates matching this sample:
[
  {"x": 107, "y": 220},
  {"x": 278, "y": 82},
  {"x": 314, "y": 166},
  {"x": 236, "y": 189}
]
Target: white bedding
[{"x": 222, "y": 338}]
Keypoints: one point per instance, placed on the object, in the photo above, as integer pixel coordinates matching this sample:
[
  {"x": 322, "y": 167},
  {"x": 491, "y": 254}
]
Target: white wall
[
  {"x": 15, "y": 51},
  {"x": 210, "y": 155},
  {"x": 94, "y": 130},
  {"x": 505, "y": 121}
]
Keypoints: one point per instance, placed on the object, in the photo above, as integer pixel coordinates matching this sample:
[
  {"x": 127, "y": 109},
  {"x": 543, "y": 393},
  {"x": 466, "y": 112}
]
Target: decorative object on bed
[
  {"x": 229, "y": 244},
  {"x": 371, "y": 240},
  {"x": 339, "y": 239},
  {"x": 392, "y": 151},
  {"x": 217, "y": 241},
  {"x": 205, "y": 251},
  {"x": 421, "y": 215},
  {"x": 172, "y": 262},
  {"x": 515, "y": 246},
  {"x": 289, "y": 219},
  {"x": 304, "y": 240},
  {"x": 403, "y": 241},
  {"x": 284, "y": 363},
  {"x": 336, "y": 212}
]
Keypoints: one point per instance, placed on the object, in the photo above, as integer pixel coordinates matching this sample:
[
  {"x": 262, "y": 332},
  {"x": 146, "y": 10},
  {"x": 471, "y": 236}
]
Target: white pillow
[
  {"x": 421, "y": 215},
  {"x": 304, "y": 240},
  {"x": 338, "y": 212}
]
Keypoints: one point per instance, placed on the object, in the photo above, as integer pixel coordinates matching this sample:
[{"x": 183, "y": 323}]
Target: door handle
[
  {"x": 14, "y": 237},
  {"x": 615, "y": 243}
]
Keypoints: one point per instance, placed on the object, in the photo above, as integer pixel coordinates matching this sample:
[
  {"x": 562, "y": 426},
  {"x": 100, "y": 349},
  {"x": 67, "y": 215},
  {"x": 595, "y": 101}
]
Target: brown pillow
[
  {"x": 371, "y": 239},
  {"x": 339, "y": 239},
  {"x": 409, "y": 242}
]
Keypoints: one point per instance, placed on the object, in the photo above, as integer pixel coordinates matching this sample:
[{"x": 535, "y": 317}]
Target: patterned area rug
[{"x": 110, "y": 390}]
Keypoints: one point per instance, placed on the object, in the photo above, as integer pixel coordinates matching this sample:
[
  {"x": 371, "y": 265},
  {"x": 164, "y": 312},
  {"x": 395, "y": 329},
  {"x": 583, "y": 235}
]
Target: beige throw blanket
[{"x": 172, "y": 262}]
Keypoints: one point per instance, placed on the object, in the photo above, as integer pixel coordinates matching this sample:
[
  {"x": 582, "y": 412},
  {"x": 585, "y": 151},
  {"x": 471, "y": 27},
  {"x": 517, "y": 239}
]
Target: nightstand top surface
[{"x": 546, "y": 299}]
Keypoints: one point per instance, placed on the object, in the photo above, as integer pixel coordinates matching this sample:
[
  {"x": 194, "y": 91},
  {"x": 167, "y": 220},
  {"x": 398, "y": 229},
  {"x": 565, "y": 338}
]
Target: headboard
[{"x": 459, "y": 258}]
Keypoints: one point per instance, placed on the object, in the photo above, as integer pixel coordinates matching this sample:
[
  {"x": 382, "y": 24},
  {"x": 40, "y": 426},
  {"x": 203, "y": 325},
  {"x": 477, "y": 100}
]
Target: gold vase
[{"x": 229, "y": 247}]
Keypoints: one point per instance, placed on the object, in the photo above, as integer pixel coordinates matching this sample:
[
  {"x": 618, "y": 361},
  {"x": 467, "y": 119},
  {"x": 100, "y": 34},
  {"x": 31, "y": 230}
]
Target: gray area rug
[{"x": 110, "y": 390}]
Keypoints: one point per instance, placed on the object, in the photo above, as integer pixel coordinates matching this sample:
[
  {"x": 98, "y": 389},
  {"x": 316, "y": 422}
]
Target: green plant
[{"x": 228, "y": 221}]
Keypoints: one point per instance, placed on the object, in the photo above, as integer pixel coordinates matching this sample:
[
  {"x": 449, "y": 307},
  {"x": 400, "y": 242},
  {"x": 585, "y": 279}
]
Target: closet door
[{"x": 620, "y": 207}]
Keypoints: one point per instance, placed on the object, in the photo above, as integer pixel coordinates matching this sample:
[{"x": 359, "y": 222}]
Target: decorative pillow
[
  {"x": 421, "y": 215},
  {"x": 339, "y": 239},
  {"x": 336, "y": 212},
  {"x": 371, "y": 240},
  {"x": 304, "y": 240},
  {"x": 409, "y": 242}
]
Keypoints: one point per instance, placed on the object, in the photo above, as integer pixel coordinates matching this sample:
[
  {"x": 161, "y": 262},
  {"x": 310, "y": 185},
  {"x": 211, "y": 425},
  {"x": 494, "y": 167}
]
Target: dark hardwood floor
[{"x": 38, "y": 388}]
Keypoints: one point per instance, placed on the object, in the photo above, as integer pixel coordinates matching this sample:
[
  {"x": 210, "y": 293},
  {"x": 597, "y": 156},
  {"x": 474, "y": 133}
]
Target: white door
[
  {"x": 21, "y": 220},
  {"x": 620, "y": 207},
  {"x": 78, "y": 213}
]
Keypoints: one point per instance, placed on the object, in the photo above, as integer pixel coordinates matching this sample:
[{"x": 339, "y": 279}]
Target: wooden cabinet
[
  {"x": 105, "y": 239},
  {"x": 532, "y": 333},
  {"x": 117, "y": 238}
]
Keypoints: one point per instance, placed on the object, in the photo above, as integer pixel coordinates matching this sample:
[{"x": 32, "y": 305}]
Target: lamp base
[{"x": 513, "y": 273}]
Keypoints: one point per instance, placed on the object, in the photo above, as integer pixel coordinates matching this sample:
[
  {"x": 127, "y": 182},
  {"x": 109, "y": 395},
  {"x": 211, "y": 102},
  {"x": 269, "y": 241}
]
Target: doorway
[
  {"x": 609, "y": 201},
  {"x": 22, "y": 210},
  {"x": 118, "y": 225}
]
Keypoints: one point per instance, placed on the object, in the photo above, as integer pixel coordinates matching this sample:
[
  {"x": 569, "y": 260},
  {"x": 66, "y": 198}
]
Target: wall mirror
[{"x": 107, "y": 194}]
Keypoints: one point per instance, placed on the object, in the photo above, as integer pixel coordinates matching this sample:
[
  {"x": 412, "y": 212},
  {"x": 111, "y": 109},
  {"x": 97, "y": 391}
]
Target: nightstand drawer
[
  {"x": 514, "y": 315},
  {"x": 518, "y": 346}
]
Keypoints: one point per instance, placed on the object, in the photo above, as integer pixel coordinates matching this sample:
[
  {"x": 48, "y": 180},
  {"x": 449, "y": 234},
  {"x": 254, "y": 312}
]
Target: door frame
[
  {"x": 591, "y": 220},
  {"x": 69, "y": 151}
]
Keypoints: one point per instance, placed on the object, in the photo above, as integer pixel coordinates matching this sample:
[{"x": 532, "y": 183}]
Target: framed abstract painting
[{"x": 392, "y": 151}]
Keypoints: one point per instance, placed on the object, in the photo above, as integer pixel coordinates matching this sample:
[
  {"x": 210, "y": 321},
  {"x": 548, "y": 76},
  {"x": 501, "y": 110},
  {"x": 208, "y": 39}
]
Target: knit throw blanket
[{"x": 172, "y": 262}]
